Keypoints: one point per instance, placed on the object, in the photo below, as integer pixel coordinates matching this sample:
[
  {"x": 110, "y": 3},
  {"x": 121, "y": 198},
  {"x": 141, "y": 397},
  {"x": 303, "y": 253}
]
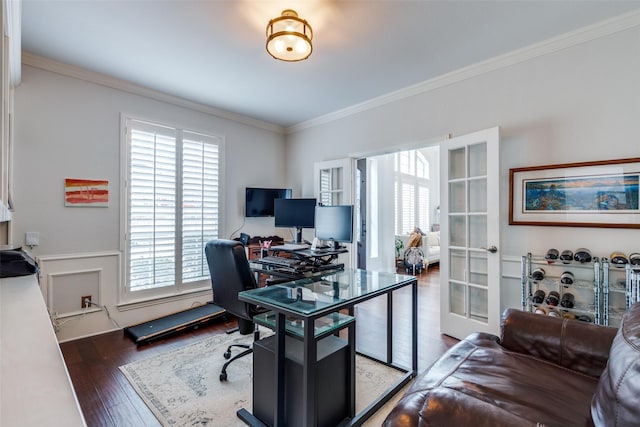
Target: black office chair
[{"x": 230, "y": 274}]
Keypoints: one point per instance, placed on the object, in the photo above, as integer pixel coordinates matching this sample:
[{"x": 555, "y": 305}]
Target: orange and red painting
[{"x": 86, "y": 192}]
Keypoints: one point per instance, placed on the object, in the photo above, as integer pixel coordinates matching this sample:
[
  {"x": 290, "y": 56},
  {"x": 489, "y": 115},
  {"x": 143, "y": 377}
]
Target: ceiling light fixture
[{"x": 289, "y": 37}]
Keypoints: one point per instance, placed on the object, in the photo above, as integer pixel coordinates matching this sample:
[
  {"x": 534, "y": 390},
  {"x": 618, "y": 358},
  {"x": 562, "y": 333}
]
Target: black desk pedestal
[{"x": 332, "y": 381}]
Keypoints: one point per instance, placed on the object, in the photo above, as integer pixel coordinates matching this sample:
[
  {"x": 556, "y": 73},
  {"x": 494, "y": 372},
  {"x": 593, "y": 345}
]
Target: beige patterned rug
[{"x": 182, "y": 386}]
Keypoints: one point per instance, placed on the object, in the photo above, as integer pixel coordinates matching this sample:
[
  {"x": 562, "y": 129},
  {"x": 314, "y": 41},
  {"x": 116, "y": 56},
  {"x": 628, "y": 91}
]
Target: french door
[
  {"x": 333, "y": 185},
  {"x": 470, "y": 236}
]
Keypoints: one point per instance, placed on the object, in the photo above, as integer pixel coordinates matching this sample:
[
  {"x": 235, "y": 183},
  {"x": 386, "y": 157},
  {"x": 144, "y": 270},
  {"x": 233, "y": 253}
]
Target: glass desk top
[{"x": 314, "y": 296}]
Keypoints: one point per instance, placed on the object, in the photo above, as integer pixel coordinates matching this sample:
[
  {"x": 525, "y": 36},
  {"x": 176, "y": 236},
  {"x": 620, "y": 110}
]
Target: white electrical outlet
[{"x": 32, "y": 238}]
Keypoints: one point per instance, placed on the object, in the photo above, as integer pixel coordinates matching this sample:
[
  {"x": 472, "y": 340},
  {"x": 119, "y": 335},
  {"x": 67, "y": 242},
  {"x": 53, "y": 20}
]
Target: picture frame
[
  {"x": 86, "y": 193},
  {"x": 588, "y": 194}
]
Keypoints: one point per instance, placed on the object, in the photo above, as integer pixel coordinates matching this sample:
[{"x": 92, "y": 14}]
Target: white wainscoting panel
[{"x": 65, "y": 279}]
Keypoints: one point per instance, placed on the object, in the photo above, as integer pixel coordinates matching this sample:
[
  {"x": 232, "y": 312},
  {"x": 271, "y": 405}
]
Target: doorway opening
[{"x": 395, "y": 194}]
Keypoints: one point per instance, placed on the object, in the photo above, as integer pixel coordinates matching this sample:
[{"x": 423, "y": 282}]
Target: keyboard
[
  {"x": 280, "y": 261},
  {"x": 291, "y": 247}
]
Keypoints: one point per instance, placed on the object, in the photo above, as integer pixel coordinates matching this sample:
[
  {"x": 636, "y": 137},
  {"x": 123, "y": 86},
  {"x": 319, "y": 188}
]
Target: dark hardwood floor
[{"x": 107, "y": 399}]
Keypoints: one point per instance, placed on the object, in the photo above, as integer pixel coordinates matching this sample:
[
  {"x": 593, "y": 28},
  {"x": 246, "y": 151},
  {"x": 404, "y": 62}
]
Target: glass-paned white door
[
  {"x": 333, "y": 182},
  {"x": 470, "y": 236},
  {"x": 333, "y": 186}
]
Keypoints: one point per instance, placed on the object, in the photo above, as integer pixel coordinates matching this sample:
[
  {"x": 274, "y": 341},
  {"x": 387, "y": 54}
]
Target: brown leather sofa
[{"x": 542, "y": 371}]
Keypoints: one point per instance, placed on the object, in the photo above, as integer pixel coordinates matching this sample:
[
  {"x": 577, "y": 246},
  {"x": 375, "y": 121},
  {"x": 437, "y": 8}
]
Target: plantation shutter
[
  {"x": 173, "y": 203},
  {"x": 408, "y": 207},
  {"x": 411, "y": 191},
  {"x": 200, "y": 195},
  {"x": 152, "y": 206},
  {"x": 423, "y": 207}
]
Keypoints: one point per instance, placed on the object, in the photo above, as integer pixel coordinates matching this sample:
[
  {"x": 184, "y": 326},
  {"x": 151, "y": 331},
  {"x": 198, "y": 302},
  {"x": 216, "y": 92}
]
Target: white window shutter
[
  {"x": 172, "y": 206},
  {"x": 152, "y": 201},
  {"x": 200, "y": 195}
]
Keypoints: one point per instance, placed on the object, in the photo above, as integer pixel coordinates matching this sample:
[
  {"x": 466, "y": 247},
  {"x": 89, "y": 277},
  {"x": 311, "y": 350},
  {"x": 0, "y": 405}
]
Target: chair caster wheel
[
  {"x": 223, "y": 376},
  {"x": 227, "y": 354}
]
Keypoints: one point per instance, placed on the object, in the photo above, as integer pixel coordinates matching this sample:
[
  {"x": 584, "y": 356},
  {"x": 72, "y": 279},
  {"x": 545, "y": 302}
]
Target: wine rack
[{"x": 601, "y": 291}]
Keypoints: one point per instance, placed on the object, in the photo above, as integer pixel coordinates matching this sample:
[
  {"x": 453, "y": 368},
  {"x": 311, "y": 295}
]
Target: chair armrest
[{"x": 576, "y": 345}]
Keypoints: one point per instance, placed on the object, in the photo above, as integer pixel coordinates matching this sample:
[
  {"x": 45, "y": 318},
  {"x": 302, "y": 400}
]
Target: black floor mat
[{"x": 158, "y": 328}]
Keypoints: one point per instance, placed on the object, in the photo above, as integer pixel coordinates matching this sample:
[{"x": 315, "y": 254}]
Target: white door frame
[
  {"x": 456, "y": 324},
  {"x": 344, "y": 192}
]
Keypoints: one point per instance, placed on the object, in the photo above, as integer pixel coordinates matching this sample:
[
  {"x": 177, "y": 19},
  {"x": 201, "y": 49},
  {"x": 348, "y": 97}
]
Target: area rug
[{"x": 182, "y": 387}]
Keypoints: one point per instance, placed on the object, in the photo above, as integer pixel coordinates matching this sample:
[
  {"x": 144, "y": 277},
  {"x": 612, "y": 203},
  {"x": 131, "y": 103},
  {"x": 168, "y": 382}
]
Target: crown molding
[
  {"x": 47, "y": 64},
  {"x": 564, "y": 41}
]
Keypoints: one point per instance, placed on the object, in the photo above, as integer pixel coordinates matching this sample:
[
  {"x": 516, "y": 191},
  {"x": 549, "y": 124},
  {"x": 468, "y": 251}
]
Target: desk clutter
[
  {"x": 297, "y": 265},
  {"x": 245, "y": 239}
]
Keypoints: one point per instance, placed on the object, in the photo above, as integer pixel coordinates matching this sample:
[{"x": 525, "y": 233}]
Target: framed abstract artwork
[
  {"x": 588, "y": 194},
  {"x": 86, "y": 193}
]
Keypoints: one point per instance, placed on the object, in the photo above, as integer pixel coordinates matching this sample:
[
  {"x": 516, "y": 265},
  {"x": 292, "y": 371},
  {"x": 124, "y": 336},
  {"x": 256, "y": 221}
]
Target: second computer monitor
[
  {"x": 335, "y": 223},
  {"x": 298, "y": 213}
]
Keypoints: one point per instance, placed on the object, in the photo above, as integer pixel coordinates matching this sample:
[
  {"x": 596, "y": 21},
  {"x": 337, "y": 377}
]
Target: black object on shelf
[
  {"x": 14, "y": 263},
  {"x": 553, "y": 299},
  {"x": 568, "y": 300},
  {"x": 567, "y": 278},
  {"x": 582, "y": 255},
  {"x": 566, "y": 256},
  {"x": 552, "y": 255},
  {"x": 538, "y": 296},
  {"x": 538, "y": 274}
]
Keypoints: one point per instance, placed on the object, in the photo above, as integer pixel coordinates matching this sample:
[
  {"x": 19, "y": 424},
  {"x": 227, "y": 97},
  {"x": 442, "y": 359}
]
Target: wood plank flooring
[{"x": 107, "y": 399}]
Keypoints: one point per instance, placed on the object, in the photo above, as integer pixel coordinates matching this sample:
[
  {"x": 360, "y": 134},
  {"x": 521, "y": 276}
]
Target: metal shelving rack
[
  {"x": 601, "y": 310},
  {"x": 632, "y": 285}
]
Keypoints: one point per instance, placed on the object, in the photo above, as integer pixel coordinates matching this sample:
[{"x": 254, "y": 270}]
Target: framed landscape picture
[{"x": 589, "y": 194}]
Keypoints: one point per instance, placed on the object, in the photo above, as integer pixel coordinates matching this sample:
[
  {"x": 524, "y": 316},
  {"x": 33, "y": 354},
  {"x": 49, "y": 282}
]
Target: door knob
[{"x": 491, "y": 249}]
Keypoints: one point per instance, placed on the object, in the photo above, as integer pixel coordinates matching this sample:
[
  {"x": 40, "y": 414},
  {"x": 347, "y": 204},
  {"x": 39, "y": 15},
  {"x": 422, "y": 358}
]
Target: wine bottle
[
  {"x": 553, "y": 299},
  {"x": 537, "y": 274},
  {"x": 568, "y": 300},
  {"x": 538, "y": 297}
]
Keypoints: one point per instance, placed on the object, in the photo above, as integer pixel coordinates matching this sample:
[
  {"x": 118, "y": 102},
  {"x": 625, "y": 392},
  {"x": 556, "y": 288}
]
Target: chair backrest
[{"x": 230, "y": 274}]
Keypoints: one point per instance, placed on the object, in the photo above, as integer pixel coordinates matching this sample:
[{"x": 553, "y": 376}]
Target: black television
[
  {"x": 334, "y": 223},
  {"x": 258, "y": 202},
  {"x": 298, "y": 213}
]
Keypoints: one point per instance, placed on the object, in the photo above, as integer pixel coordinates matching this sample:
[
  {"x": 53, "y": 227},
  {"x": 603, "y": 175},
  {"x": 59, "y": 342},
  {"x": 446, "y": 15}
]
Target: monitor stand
[
  {"x": 334, "y": 245},
  {"x": 298, "y": 238}
]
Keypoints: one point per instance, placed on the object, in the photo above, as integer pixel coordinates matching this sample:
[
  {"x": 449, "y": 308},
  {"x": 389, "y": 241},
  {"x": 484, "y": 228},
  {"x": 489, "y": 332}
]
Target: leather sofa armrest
[{"x": 576, "y": 345}]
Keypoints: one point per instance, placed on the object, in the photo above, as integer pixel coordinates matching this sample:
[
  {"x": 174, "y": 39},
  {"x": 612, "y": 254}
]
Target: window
[
  {"x": 411, "y": 191},
  {"x": 172, "y": 208}
]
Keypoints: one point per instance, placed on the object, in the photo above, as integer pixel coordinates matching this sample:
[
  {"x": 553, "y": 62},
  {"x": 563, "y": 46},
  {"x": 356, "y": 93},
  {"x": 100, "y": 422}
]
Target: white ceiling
[{"x": 212, "y": 52}]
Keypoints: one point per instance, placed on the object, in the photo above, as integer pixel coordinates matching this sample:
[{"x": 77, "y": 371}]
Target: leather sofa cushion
[
  {"x": 616, "y": 401},
  {"x": 579, "y": 346},
  {"x": 478, "y": 382}
]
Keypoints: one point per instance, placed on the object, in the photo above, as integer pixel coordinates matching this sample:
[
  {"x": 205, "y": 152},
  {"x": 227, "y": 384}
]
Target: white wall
[
  {"x": 70, "y": 128},
  {"x": 579, "y": 103},
  {"x": 576, "y": 104}
]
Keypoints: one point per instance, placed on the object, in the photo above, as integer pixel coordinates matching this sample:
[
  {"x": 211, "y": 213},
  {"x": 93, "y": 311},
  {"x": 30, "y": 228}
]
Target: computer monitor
[
  {"x": 335, "y": 223},
  {"x": 298, "y": 213},
  {"x": 259, "y": 201}
]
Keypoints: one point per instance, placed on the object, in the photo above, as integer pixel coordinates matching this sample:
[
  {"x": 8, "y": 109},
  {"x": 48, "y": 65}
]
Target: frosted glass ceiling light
[{"x": 289, "y": 37}]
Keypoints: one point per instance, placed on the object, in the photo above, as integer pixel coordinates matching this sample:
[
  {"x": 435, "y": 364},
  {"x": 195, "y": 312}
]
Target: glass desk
[{"x": 313, "y": 298}]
